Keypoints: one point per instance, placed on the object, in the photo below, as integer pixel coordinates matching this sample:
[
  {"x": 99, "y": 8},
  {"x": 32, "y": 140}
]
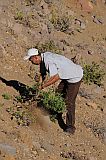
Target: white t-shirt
[{"x": 64, "y": 67}]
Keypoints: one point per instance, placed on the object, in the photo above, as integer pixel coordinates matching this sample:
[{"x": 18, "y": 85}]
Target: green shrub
[
  {"x": 48, "y": 46},
  {"x": 52, "y": 101},
  {"x": 19, "y": 98},
  {"x": 19, "y": 16},
  {"x": 6, "y": 96},
  {"x": 29, "y": 93},
  {"x": 93, "y": 74},
  {"x": 60, "y": 23},
  {"x": 22, "y": 18},
  {"x": 20, "y": 114}
]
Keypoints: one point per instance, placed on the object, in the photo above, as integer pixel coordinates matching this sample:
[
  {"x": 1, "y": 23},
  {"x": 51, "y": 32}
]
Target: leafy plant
[
  {"x": 52, "y": 101},
  {"x": 19, "y": 16},
  {"x": 60, "y": 23},
  {"x": 93, "y": 74},
  {"x": 19, "y": 98},
  {"x": 48, "y": 46},
  {"x": 6, "y": 96},
  {"x": 29, "y": 93},
  {"x": 21, "y": 115}
]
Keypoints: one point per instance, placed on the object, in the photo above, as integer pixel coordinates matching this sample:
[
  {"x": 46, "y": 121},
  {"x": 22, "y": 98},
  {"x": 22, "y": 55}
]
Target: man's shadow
[{"x": 25, "y": 91}]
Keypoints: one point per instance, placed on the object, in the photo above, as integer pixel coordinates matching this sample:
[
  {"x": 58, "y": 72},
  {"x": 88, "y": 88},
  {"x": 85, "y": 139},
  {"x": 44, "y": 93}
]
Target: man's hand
[
  {"x": 42, "y": 88},
  {"x": 52, "y": 80}
]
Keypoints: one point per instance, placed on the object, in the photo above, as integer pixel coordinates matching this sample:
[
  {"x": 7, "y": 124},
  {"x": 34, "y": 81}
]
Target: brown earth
[{"x": 25, "y": 24}]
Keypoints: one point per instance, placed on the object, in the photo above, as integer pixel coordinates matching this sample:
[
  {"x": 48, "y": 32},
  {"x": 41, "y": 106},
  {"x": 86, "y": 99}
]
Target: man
[{"x": 60, "y": 68}]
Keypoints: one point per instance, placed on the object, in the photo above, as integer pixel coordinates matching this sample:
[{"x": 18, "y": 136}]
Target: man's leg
[
  {"x": 72, "y": 91},
  {"x": 62, "y": 90}
]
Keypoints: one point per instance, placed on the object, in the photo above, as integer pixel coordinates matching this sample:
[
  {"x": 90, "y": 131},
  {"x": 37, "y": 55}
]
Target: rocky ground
[{"x": 71, "y": 28}]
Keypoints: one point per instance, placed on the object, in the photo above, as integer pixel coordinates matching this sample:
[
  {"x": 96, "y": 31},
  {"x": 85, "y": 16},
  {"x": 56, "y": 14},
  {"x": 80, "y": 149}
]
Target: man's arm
[{"x": 52, "y": 80}]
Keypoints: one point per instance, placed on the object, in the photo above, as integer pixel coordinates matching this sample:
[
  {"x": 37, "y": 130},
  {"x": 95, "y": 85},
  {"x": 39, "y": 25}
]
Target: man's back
[{"x": 63, "y": 66}]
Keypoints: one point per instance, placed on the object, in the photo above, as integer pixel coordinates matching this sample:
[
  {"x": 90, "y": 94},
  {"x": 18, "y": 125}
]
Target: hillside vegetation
[{"x": 68, "y": 27}]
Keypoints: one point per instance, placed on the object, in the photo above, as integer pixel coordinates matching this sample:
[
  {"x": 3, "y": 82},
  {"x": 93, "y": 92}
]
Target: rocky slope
[{"x": 65, "y": 27}]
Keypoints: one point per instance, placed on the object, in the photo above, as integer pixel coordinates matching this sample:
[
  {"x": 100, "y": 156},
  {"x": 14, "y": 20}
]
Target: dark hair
[
  {"x": 39, "y": 54},
  {"x": 43, "y": 70}
]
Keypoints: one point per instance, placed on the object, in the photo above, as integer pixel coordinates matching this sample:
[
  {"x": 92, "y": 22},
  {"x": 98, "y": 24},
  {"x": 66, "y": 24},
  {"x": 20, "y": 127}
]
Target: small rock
[
  {"x": 104, "y": 110},
  {"x": 98, "y": 90},
  {"x": 2, "y": 51},
  {"x": 84, "y": 94},
  {"x": 70, "y": 13},
  {"x": 92, "y": 104},
  {"x": 79, "y": 22},
  {"x": 44, "y": 7},
  {"x": 92, "y": 158},
  {"x": 8, "y": 157},
  {"x": 34, "y": 153},
  {"x": 94, "y": 2},
  {"x": 36, "y": 146},
  {"x": 42, "y": 150},
  {"x": 104, "y": 139},
  {"x": 46, "y": 147},
  {"x": 7, "y": 148},
  {"x": 104, "y": 1},
  {"x": 48, "y": 1},
  {"x": 44, "y": 28},
  {"x": 82, "y": 25},
  {"x": 97, "y": 20},
  {"x": 90, "y": 52}
]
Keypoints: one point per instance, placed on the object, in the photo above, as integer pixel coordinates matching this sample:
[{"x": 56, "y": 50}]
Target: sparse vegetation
[
  {"x": 19, "y": 16},
  {"x": 21, "y": 115},
  {"x": 6, "y": 96},
  {"x": 29, "y": 93},
  {"x": 30, "y": 2},
  {"x": 97, "y": 128},
  {"x": 93, "y": 74},
  {"x": 1, "y": 105},
  {"x": 76, "y": 31},
  {"x": 60, "y": 23},
  {"x": 20, "y": 112},
  {"x": 48, "y": 46},
  {"x": 52, "y": 101},
  {"x": 73, "y": 155}
]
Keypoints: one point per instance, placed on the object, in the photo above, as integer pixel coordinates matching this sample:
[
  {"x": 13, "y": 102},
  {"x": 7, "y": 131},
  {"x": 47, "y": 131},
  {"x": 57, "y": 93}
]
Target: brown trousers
[{"x": 69, "y": 91}]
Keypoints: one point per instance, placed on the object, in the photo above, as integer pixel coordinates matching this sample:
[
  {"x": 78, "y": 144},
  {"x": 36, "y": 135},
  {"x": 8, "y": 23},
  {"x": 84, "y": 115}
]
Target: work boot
[
  {"x": 61, "y": 121},
  {"x": 70, "y": 129}
]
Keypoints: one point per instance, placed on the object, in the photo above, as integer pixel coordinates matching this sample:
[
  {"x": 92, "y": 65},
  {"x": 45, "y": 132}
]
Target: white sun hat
[{"x": 31, "y": 52}]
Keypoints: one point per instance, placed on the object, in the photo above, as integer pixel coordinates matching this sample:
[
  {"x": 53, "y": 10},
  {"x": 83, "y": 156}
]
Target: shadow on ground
[{"x": 25, "y": 91}]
